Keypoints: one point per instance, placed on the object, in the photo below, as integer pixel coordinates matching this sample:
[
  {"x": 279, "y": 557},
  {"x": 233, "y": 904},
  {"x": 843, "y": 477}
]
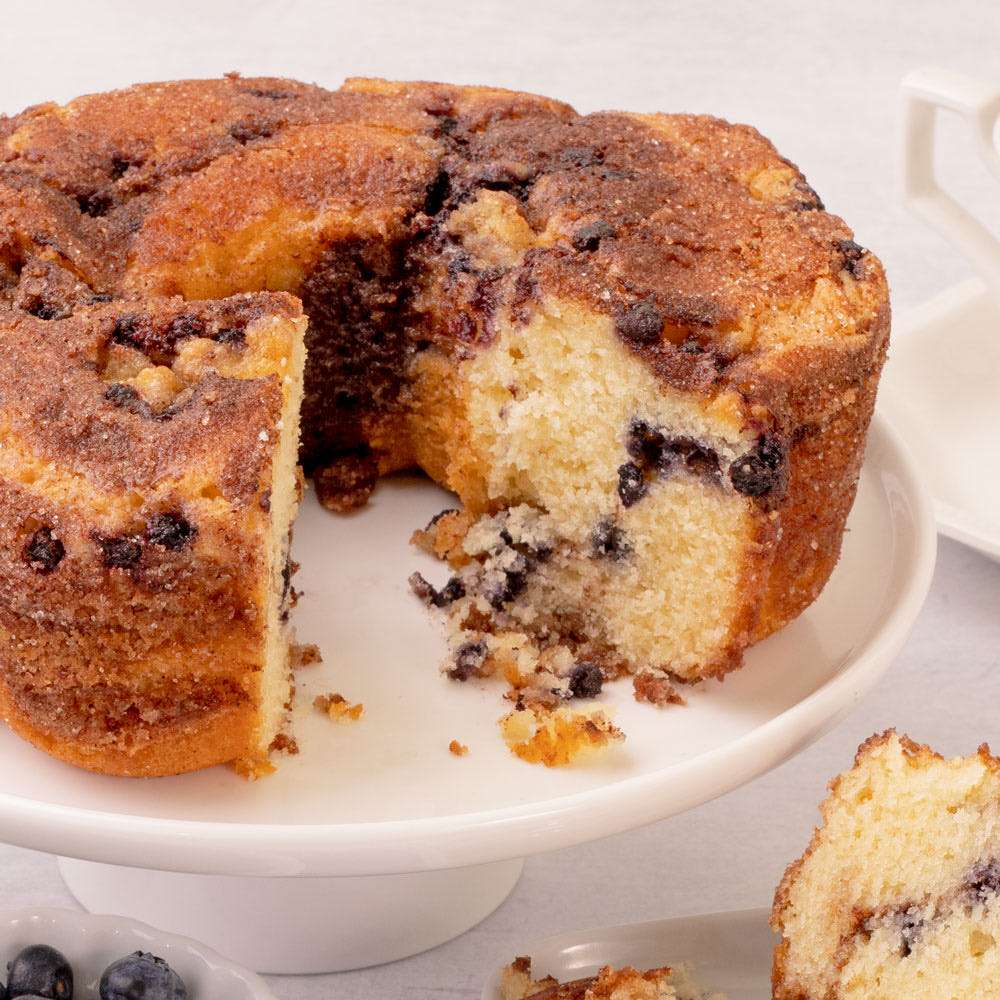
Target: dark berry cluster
[
  {"x": 40, "y": 972},
  {"x": 639, "y": 323},
  {"x": 169, "y": 530},
  {"x": 761, "y": 471},
  {"x": 431, "y": 596},
  {"x": 609, "y": 540},
  {"x": 654, "y": 454},
  {"x": 43, "y": 551},
  {"x": 469, "y": 657},
  {"x": 586, "y": 680},
  {"x": 166, "y": 529}
]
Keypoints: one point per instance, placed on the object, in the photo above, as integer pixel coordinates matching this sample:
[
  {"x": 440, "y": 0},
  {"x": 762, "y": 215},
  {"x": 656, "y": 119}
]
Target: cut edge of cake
[{"x": 898, "y": 893}]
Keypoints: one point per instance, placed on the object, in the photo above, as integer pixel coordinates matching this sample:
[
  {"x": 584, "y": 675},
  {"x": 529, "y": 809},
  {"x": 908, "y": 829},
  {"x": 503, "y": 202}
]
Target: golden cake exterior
[
  {"x": 644, "y": 329},
  {"x": 146, "y": 545}
]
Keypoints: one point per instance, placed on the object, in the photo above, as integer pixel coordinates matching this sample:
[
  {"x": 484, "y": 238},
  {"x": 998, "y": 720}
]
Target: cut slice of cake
[
  {"x": 608, "y": 984},
  {"x": 898, "y": 895},
  {"x": 148, "y": 483}
]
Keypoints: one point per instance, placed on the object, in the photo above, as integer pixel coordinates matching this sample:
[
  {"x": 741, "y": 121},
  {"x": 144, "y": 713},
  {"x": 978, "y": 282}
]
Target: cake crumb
[
  {"x": 345, "y": 484},
  {"x": 338, "y": 708},
  {"x": 656, "y": 689},
  {"x": 556, "y": 738},
  {"x": 458, "y": 749},
  {"x": 253, "y": 768},
  {"x": 625, "y": 983},
  {"x": 305, "y": 655},
  {"x": 443, "y": 537},
  {"x": 283, "y": 743}
]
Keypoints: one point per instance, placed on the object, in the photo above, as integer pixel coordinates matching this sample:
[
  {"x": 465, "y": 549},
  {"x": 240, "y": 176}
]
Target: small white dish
[
  {"x": 91, "y": 943},
  {"x": 728, "y": 952},
  {"x": 941, "y": 391}
]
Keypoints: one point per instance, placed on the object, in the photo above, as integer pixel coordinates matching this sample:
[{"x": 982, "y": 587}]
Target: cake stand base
[{"x": 300, "y": 925}]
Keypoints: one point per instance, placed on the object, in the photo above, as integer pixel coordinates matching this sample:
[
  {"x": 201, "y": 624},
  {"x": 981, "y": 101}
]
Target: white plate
[
  {"x": 384, "y": 795},
  {"x": 941, "y": 390},
  {"x": 91, "y": 943},
  {"x": 729, "y": 952}
]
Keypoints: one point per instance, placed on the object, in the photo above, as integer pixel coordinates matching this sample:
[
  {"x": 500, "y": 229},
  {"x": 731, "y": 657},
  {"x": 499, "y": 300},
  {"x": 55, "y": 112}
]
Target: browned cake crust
[
  {"x": 129, "y": 605},
  {"x": 123, "y": 214}
]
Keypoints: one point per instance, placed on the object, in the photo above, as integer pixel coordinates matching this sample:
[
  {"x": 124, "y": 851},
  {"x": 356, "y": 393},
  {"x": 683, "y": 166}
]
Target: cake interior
[
  {"x": 610, "y": 530},
  {"x": 898, "y": 897}
]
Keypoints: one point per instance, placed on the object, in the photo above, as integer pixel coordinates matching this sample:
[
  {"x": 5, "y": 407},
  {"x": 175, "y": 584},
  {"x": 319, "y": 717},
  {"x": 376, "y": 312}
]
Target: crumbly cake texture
[
  {"x": 897, "y": 895},
  {"x": 639, "y": 337},
  {"x": 556, "y": 737},
  {"x": 609, "y": 984}
]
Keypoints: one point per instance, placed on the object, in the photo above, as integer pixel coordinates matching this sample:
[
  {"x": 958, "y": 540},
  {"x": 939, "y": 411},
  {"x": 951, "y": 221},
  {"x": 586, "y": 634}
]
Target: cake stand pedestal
[
  {"x": 300, "y": 925},
  {"x": 375, "y": 842}
]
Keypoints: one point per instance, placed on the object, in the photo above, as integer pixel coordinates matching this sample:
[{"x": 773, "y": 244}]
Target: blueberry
[
  {"x": 984, "y": 880},
  {"x": 39, "y": 971},
  {"x": 852, "y": 256},
  {"x": 120, "y": 394},
  {"x": 515, "y": 579},
  {"x": 231, "y": 335},
  {"x": 43, "y": 551},
  {"x": 760, "y": 471},
  {"x": 631, "y": 484},
  {"x": 644, "y": 443},
  {"x": 639, "y": 323},
  {"x": 170, "y": 530},
  {"x": 586, "y": 680},
  {"x": 588, "y": 237},
  {"x": 452, "y": 591},
  {"x": 141, "y": 976},
  {"x": 469, "y": 657},
  {"x": 609, "y": 541}
]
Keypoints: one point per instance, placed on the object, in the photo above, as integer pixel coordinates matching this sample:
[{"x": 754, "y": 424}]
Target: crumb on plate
[
  {"x": 338, "y": 708},
  {"x": 556, "y": 738}
]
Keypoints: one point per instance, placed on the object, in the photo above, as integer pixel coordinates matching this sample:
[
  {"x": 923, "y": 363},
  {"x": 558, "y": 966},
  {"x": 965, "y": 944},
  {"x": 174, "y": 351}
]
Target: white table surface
[{"x": 820, "y": 79}]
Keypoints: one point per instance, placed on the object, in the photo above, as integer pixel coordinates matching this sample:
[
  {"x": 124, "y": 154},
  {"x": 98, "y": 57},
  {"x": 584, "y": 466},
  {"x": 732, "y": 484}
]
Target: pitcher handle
[{"x": 923, "y": 93}]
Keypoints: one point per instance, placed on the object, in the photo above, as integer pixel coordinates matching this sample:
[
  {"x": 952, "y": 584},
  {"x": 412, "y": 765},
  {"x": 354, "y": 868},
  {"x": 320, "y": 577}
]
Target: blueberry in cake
[
  {"x": 898, "y": 895},
  {"x": 635, "y": 346},
  {"x": 608, "y": 984}
]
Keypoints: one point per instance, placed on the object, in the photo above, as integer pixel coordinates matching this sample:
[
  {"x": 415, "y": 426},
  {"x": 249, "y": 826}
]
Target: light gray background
[{"x": 821, "y": 80}]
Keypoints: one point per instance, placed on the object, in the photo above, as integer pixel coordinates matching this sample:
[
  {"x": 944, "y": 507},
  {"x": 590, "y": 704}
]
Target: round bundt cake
[{"x": 635, "y": 346}]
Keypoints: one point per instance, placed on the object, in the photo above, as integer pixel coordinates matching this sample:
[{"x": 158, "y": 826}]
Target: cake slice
[
  {"x": 896, "y": 897},
  {"x": 609, "y": 984},
  {"x": 147, "y": 488}
]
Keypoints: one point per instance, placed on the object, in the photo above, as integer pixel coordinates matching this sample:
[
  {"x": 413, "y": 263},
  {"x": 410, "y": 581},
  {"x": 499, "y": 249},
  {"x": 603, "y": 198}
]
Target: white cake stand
[{"x": 376, "y": 842}]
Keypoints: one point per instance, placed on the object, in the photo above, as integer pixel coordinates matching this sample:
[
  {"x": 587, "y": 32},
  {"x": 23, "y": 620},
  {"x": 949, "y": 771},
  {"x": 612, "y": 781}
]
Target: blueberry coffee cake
[
  {"x": 609, "y": 984},
  {"x": 634, "y": 345},
  {"x": 898, "y": 895}
]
